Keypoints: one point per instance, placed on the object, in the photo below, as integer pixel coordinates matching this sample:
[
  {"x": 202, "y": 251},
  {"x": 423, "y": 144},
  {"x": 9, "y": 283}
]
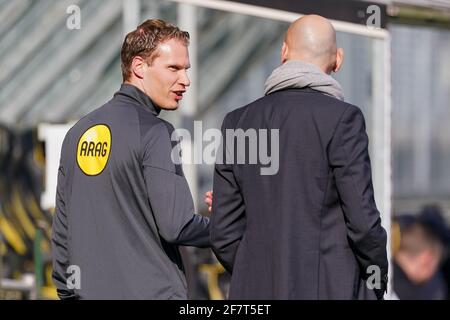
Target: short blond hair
[{"x": 144, "y": 41}]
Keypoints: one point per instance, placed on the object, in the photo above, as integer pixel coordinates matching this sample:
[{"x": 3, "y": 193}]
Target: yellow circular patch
[{"x": 93, "y": 150}]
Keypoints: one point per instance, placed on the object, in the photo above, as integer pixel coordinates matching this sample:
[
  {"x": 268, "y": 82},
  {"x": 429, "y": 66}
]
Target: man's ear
[
  {"x": 339, "y": 59},
  {"x": 137, "y": 67},
  {"x": 284, "y": 53}
]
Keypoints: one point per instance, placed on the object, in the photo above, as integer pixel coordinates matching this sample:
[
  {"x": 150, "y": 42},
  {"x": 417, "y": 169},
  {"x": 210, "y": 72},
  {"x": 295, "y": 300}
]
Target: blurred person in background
[
  {"x": 417, "y": 262},
  {"x": 123, "y": 205}
]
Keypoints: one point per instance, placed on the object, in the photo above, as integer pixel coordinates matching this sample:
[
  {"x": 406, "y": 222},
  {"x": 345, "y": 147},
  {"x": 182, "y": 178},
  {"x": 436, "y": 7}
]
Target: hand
[{"x": 208, "y": 200}]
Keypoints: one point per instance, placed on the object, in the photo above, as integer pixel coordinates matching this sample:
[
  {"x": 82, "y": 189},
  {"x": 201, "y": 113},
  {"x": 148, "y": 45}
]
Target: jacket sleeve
[
  {"x": 60, "y": 251},
  {"x": 349, "y": 157},
  {"x": 168, "y": 192},
  {"x": 228, "y": 219}
]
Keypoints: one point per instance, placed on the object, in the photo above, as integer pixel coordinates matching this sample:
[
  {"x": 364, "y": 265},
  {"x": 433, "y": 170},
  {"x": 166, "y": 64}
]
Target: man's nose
[{"x": 184, "y": 79}]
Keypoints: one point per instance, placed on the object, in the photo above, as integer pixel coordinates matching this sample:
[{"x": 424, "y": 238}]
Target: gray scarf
[{"x": 300, "y": 74}]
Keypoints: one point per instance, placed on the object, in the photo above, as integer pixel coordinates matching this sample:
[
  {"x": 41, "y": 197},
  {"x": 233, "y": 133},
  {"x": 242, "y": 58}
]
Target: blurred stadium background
[{"x": 397, "y": 69}]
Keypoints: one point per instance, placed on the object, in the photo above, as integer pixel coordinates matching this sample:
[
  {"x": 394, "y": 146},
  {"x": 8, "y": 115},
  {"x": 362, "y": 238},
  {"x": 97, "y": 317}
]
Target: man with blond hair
[
  {"x": 123, "y": 206},
  {"x": 312, "y": 230}
]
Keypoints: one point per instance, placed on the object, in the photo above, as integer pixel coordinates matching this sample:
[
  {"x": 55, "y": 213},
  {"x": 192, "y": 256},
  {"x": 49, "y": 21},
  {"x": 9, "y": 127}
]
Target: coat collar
[{"x": 132, "y": 92}]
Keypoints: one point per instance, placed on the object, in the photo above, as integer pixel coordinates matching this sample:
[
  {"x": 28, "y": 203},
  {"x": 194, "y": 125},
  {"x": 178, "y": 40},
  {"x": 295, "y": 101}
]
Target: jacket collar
[{"x": 132, "y": 92}]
